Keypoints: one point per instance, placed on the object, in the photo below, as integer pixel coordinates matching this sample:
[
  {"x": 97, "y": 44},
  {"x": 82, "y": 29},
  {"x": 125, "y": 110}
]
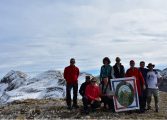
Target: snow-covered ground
[{"x": 17, "y": 85}]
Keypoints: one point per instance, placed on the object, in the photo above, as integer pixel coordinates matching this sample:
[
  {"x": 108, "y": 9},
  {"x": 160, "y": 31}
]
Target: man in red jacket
[
  {"x": 92, "y": 96},
  {"x": 134, "y": 72},
  {"x": 71, "y": 74}
]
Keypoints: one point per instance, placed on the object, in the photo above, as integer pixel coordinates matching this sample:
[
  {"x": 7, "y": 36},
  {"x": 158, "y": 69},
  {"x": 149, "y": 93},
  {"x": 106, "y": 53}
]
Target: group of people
[{"x": 94, "y": 92}]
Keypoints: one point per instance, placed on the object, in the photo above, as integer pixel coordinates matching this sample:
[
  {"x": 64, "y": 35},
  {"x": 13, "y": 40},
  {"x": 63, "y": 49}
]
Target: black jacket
[
  {"x": 83, "y": 88},
  {"x": 117, "y": 73},
  {"x": 144, "y": 72}
]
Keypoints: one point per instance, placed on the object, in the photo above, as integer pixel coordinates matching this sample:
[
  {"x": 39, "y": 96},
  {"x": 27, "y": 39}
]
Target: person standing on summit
[
  {"x": 144, "y": 72},
  {"x": 71, "y": 74},
  {"x": 153, "y": 81},
  {"x": 119, "y": 70},
  {"x": 106, "y": 70},
  {"x": 134, "y": 72}
]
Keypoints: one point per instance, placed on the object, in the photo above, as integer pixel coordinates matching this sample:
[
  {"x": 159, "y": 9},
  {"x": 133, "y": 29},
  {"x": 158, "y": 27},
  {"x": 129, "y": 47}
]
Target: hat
[
  {"x": 150, "y": 64},
  {"x": 93, "y": 79}
]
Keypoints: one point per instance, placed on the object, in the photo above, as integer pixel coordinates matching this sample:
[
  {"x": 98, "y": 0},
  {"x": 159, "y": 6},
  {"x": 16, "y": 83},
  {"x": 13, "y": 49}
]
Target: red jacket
[
  {"x": 139, "y": 78},
  {"x": 92, "y": 92},
  {"x": 71, "y": 74}
]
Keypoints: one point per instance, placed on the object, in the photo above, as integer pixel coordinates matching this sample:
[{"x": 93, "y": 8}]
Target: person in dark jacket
[
  {"x": 83, "y": 86},
  {"x": 144, "y": 72},
  {"x": 71, "y": 74},
  {"x": 119, "y": 71}
]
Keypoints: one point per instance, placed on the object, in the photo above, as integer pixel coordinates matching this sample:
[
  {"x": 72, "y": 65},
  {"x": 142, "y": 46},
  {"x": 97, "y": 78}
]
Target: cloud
[{"x": 41, "y": 35}]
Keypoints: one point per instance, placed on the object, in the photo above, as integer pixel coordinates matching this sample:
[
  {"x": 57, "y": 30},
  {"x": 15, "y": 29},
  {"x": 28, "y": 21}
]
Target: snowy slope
[
  {"x": 17, "y": 85},
  {"x": 81, "y": 78},
  {"x": 13, "y": 80}
]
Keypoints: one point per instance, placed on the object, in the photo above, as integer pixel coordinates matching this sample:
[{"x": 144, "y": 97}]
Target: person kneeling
[
  {"x": 92, "y": 96},
  {"x": 107, "y": 94},
  {"x": 83, "y": 86}
]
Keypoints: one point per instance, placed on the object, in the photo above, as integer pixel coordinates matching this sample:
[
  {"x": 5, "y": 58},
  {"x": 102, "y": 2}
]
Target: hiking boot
[
  {"x": 113, "y": 110},
  {"x": 149, "y": 108},
  {"x": 93, "y": 110},
  {"x": 86, "y": 112},
  {"x": 156, "y": 110},
  {"x": 75, "y": 106},
  {"x": 69, "y": 108},
  {"x": 141, "y": 110}
]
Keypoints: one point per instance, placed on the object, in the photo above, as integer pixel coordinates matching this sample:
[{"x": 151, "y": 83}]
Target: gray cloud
[{"x": 40, "y": 35}]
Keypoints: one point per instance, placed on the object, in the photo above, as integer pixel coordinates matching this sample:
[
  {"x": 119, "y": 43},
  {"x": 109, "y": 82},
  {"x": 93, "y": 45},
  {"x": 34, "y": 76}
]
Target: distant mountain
[
  {"x": 163, "y": 85},
  {"x": 158, "y": 70},
  {"x": 17, "y": 85},
  {"x": 13, "y": 80},
  {"x": 164, "y": 73}
]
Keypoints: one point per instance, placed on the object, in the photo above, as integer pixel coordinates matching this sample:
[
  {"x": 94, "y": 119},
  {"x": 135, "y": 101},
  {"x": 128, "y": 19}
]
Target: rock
[
  {"x": 14, "y": 79},
  {"x": 17, "y": 85}
]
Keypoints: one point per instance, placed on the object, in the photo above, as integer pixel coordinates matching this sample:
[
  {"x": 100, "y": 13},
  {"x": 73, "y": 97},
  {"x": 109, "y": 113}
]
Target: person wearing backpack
[
  {"x": 107, "y": 95},
  {"x": 152, "y": 81},
  {"x": 71, "y": 74},
  {"x": 134, "y": 72}
]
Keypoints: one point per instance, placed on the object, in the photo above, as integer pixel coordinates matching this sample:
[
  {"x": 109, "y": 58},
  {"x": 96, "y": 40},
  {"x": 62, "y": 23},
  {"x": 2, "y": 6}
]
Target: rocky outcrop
[
  {"x": 14, "y": 79},
  {"x": 17, "y": 85}
]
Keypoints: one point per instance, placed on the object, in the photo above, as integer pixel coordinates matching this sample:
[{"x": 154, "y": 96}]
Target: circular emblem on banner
[{"x": 125, "y": 93}]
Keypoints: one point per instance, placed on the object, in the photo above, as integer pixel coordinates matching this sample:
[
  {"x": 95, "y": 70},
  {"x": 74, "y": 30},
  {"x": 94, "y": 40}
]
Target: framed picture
[{"x": 126, "y": 95}]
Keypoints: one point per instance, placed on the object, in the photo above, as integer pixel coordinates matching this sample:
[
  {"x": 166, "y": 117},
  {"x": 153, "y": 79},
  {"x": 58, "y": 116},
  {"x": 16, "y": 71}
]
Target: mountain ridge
[{"x": 17, "y": 85}]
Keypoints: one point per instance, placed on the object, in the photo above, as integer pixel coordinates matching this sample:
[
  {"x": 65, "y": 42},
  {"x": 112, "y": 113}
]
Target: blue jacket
[{"x": 106, "y": 71}]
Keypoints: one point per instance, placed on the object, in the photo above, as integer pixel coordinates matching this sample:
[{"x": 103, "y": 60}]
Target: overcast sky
[{"x": 39, "y": 35}]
